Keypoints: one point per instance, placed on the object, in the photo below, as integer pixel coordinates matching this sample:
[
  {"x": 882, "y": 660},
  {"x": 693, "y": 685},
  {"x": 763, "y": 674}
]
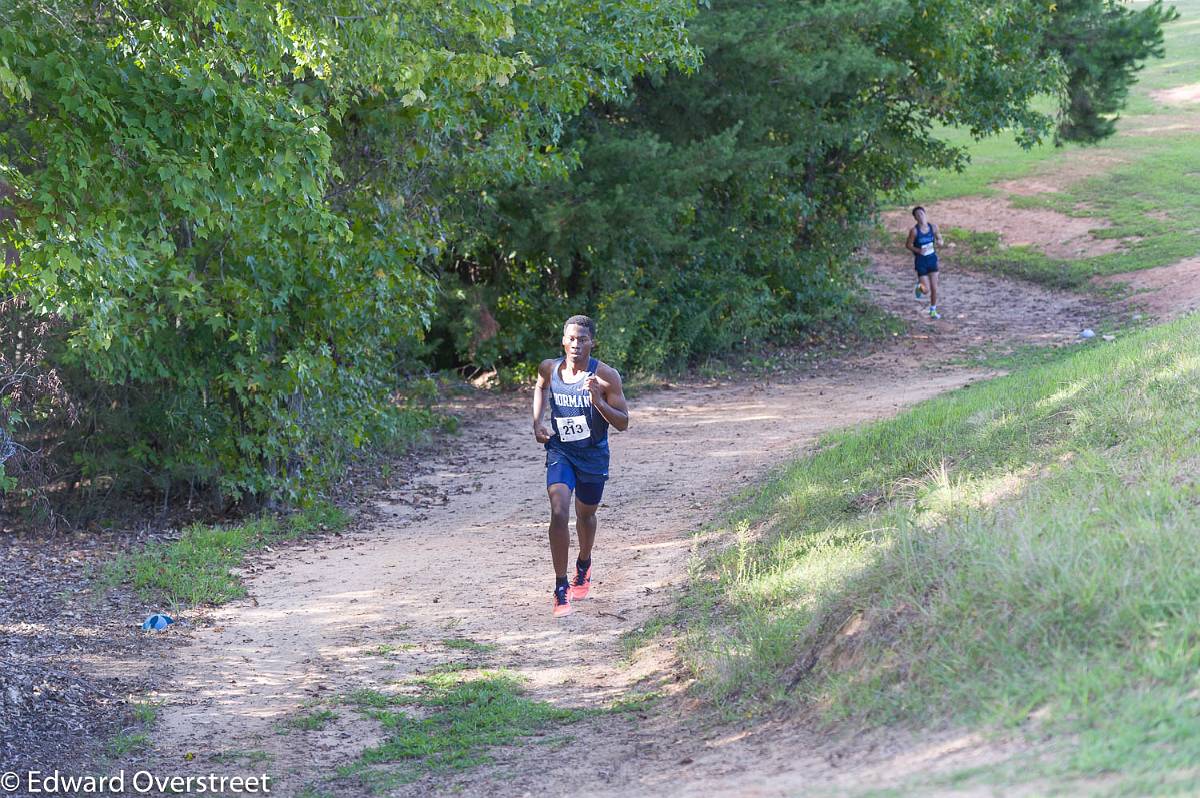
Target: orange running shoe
[
  {"x": 562, "y": 601},
  {"x": 582, "y": 583}
]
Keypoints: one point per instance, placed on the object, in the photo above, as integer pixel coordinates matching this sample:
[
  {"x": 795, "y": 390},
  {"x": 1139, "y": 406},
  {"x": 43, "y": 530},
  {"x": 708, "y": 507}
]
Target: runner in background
[
  {"x": 585, "y": 397},
  {"x": 923, "y": 241}
]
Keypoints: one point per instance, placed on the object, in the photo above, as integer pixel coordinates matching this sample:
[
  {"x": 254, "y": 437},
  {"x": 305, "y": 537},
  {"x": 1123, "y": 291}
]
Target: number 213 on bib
[{"x": 572, "y": 428}]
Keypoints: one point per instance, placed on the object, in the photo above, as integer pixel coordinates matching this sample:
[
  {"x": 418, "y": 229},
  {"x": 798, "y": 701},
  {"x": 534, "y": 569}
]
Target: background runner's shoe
[
  {"x": 562, "y": 601},
  {"x": 582, "y": 583}
]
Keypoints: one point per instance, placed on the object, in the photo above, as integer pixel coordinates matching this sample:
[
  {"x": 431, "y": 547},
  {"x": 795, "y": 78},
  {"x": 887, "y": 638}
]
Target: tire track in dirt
[{"x": 411, "y": 578}]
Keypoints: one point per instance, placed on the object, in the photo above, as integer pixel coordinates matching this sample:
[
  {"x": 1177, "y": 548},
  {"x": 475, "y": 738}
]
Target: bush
[
  {"x": 230, "y": 205},
  {"x": 722, "y": 206}
]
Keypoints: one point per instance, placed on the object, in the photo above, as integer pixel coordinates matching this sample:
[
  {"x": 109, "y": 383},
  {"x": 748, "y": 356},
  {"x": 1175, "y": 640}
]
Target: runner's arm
[
  {"x": 608, "y": 396},
  {"x": 936, "y": 233},
  {"x": 909, "y": 245},
  {"x": 540, "y": 432}
]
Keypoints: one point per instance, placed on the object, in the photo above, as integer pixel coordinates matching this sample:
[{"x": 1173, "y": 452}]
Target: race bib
[
  {"x": 572, "y": 428},
  {"x": 927, "y": 249}
]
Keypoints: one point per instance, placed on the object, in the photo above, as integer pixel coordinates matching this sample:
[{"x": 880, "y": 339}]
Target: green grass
[
  {"x": 462, "y": 719},
  {"x": 463, "y": 644},
  {"x": 1026, "y": 544},
  {"x": 127, "y": 743},
  {"x": 992, "y": 160},
  {"x": 1008, "y": 357},
  {"x": 370, "y": 698},
  {"x": 319, "y": 517},
  {"x": 984, "y": 252},
  {"x": 635, "y": 639},
  {"x": 145, "y": 712},
  {"x": 1152, "y": 195},
  {"x": 1147, "y": 204},
  {"x": 1153, "y": 201},
  {"x": 1181, "y": 67},
  {"x": 130, "y": 740},
  {"x": 311, "y": 791},
  {"x": 636, "y": 702},
  {"x": 1000, "y": 157},
  {"x": 311, "y": 721},
  {"x": 197, "y": 568}
]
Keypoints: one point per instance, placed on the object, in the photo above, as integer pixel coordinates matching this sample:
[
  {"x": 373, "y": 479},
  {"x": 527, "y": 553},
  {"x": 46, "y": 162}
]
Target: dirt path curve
[
  {"x": 1165, "y": 292},
  {"x": 409, "y": 580}
]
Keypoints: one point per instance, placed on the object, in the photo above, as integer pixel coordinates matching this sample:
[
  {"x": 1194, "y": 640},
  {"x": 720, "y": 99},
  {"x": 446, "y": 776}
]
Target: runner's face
[
  {"x": 577, "y": 343},
  {"x": 920, "y": 216}
]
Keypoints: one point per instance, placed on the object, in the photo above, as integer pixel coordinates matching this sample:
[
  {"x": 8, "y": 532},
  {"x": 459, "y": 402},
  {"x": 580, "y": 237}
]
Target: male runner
[
  {"x": 585, "y": 398},
  {"x": 921, "y": 243}
]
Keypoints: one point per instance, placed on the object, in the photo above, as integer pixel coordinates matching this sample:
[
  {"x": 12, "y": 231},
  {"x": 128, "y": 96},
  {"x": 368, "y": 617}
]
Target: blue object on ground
[{"x": 157, "y": 621}]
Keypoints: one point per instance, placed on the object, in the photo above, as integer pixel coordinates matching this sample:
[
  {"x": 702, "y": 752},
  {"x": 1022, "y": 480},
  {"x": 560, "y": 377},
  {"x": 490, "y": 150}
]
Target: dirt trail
[
  {"x": 1178, "y": 95},
  {"x": 1056, "y": 234},
  {"x": 318, "y": 614},
  {"x": 1165, "y": 292}
]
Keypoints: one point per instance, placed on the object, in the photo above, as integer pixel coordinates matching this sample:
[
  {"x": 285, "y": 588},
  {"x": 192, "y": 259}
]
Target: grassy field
[
  {"x": 1149, "y": 195},
  {"x": 1017, "y": 554},
  {"x": 992, "y": 160},
  {"x": 1149, "y": 202},
  {"x": 1001, "y": 158}
]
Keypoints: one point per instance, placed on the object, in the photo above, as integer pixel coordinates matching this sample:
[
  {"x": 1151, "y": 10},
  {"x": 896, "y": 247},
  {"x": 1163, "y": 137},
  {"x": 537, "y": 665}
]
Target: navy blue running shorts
[
  {"x": 926, "y": 264},
  {"x": 561, "y": 471}
]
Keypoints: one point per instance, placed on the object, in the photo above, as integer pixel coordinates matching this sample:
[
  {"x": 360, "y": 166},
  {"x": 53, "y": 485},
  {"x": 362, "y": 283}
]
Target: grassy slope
[
  {"x": 1023, "y": 548},
  {"x": 1025, "y": 545}
]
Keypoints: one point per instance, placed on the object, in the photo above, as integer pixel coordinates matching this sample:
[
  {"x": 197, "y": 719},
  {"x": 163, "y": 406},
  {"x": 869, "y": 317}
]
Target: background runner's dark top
[
  {"x": 921, "y": 240},
  {"x": 570, "y": 410}
]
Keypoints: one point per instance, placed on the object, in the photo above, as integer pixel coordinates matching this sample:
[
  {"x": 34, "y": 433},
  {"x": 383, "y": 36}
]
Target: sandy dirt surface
[
  {"x": 1063, "y": 171},
  {"x": 1056, "y": 234},
  {"x": 1162, "y": 124},
  {"x": 1165, "y": 292},
  {"x": 1178, "y": 95},
  {"x": 460, "y": 552}
]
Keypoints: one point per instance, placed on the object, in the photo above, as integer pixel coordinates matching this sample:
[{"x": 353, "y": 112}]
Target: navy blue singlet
[
  {"x": 580, "y": 433},
  {"x": 921, "y": 240}
]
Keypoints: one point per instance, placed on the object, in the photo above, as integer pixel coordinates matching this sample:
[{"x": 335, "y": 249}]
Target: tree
[
  {"x": 229, "y": 203},
  {"x": 726, "y": 205},
  {"x": 1103, "y": 44}
]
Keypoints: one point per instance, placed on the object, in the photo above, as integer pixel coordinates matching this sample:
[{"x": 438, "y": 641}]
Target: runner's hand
[
  {"x": 595, "y": 386},
  {"x": 541, "y": 432}
]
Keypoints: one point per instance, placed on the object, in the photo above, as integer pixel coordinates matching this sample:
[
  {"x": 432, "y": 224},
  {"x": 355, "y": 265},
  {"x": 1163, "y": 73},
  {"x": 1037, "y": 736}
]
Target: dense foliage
[
  {"x": 1103, "y": 43},
  {"x": 238, "y": 220},
  {"x": 727, "y": 205},
  {"x": 229, "y": 203}
]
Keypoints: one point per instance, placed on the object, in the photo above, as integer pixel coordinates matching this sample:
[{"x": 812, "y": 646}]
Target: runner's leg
[
  {"x": 560, "y": 534},
  {"x": 923, "y": 281},
  {"x": 587, "y": 499},
  {"x": 931, "y": 287},
  {"x": 585, "y": 528}
]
